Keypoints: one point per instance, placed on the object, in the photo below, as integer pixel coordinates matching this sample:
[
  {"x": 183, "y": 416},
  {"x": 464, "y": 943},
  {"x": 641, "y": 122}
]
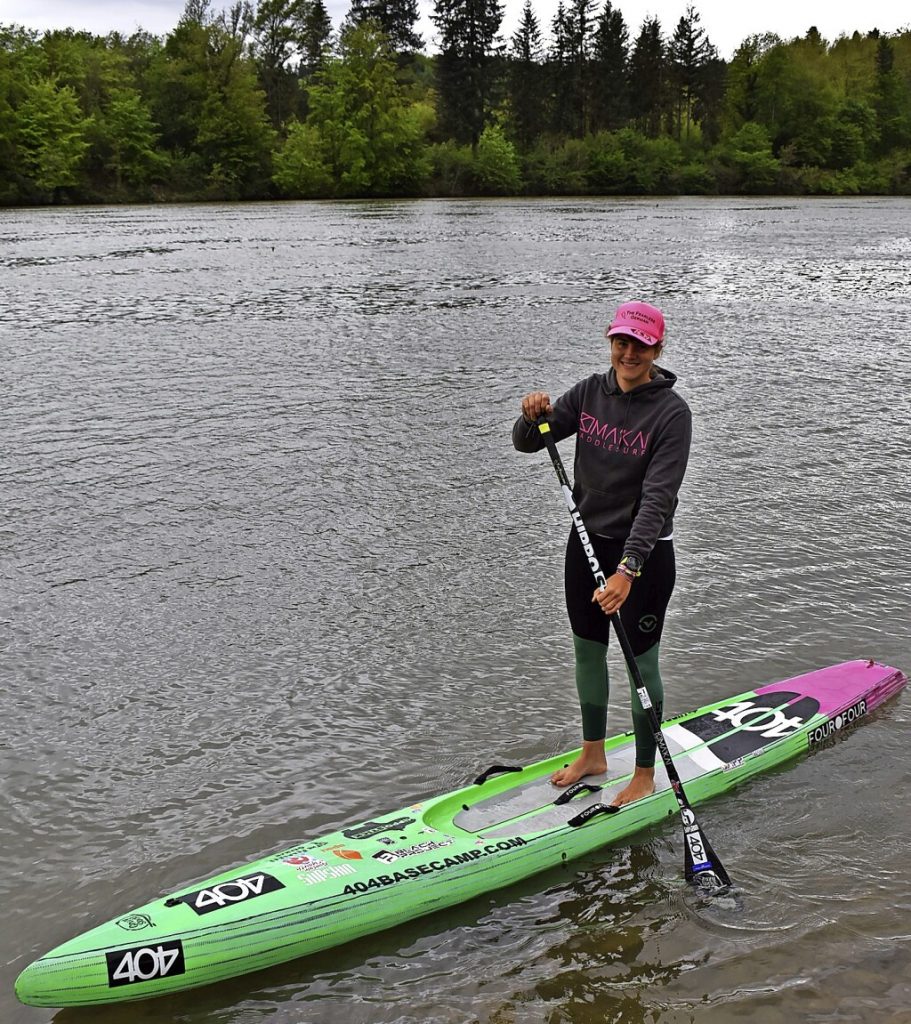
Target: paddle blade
[{"x": 701, "y": 865}]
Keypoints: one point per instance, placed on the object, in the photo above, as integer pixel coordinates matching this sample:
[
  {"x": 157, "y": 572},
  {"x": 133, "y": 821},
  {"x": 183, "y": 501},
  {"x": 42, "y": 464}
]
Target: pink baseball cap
[{"x": 638, "y": 320}]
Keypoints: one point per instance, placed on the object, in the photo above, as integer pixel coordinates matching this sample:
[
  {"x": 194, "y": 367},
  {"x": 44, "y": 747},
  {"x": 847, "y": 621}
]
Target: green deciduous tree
[
  {"x": 854, "y": 134},
  {"x": 301, "y": 171},
  {"x": 234, "y": 137},
  {"x": 369, "y": 138},
  {"x": 125, "y": 141},
  {"x": 211, "y": 109},
  {"x": 745, "y": 161},
  {"x": 497, "y": 164},
  {"x": 51, "y": 138},
  {"x": 742, "y": 93},
  {"x": 19, "y": 65}
]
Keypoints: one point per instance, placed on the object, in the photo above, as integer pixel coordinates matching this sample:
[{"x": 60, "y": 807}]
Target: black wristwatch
[{"x": 633, "y": 563}]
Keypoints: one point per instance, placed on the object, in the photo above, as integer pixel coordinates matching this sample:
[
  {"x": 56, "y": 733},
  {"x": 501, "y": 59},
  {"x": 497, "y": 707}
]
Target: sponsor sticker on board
[
  {"x": 135, "y": 922},
  {"x": 391, "y": 856},
  {"x": 843, "y": 720},
  {"x": 145, "y": 963},
  {"x": 325, "y": 874},
  {"x": 345, "y": 853},
  {"x": 304, "y": 862},
  {"x": 227, "y": 894},
  {"x": 744, "y": 727},
  {"x": 369, "y": 829}
]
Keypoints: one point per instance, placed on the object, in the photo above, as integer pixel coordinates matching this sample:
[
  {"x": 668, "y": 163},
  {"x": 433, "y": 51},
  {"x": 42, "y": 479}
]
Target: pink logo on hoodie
[{"x": 613, "y": 439}]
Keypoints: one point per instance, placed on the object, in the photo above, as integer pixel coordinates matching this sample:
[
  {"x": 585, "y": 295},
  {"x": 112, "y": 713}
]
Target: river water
[{"x": 270, "y": 565}]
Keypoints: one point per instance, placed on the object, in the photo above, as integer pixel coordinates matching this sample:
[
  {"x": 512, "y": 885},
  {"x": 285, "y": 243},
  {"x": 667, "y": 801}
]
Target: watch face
[{"x": 634, "y": 562}]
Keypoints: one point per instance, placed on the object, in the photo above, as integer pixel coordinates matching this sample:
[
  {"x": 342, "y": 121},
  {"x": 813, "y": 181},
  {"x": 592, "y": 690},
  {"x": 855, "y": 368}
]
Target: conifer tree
[
  {"x": 647, "y": 78},
  {"x": 559, "y": 68},
  {"x": 526, "y": 78},
  {"x": 689, "y": 55},
  {"x": 276, "y": 42},
  {"x": 395, "y": 18},
  {"x": 890, "y": 100},
  {"x": 466, "y": 64},
  {"x": 314, "y": 37},
  {"x": 610, "y": 69},
  {"x": 581, "y": 29}
]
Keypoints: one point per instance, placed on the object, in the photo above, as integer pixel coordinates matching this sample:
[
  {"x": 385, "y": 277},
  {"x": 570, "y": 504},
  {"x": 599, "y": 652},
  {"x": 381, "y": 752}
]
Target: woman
[{"x": 632, "y": 443}]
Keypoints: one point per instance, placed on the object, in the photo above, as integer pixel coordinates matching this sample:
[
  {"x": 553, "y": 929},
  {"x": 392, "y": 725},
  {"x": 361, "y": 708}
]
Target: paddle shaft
[{"x": 700, "y": 859}]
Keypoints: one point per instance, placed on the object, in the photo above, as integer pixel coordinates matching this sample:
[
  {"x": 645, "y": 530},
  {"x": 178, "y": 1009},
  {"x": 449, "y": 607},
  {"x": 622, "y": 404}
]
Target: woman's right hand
[
  {"x": 613, "y": 594},
  {"x": 536, "y": 404}
]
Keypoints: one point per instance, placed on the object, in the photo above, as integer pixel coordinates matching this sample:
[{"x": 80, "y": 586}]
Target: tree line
[{"x": 266, "y": 100}]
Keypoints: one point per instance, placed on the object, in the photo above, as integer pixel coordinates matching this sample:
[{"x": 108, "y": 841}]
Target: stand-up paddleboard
[{"x": 510, "y": 823}]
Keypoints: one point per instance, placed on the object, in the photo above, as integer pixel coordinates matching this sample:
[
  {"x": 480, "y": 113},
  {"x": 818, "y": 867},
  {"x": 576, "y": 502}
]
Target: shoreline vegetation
[{"x": 265, "y": 101}]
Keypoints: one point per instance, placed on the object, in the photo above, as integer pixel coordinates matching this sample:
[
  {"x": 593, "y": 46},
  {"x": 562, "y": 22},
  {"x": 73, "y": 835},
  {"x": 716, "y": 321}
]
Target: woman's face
[{"x": 632, "y": 361}]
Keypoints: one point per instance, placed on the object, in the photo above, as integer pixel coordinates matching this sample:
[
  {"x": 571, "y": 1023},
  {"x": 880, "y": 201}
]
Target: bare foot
[
  {"x": 590, "y": 762},
  {"x": 641, "y": 784}
]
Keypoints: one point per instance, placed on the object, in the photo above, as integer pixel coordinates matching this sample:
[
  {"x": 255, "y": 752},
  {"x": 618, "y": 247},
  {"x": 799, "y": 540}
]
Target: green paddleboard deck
[{"x": 505, "y": 826}]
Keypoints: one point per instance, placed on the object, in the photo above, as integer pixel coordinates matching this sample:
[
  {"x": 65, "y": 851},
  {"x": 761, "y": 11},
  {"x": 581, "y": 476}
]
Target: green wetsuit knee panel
[{"x": 592, "y": 685}]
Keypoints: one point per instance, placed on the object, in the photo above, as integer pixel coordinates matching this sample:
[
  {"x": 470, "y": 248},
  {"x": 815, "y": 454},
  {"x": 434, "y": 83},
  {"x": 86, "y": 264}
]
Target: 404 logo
[
  {"x": 694, "y": 841},
  {"x": 745, "y": 726},
  {"x": 225, "y": 894},
  {"x": 770, "y": 723},
  {"x": 145, "y": 963}
]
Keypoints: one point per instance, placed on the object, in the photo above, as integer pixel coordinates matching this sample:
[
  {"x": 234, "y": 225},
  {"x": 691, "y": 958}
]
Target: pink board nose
[{"x": 840, "y": 686}]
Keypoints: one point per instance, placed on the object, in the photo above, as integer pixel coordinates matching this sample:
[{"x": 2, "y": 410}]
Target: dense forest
[{"x": 266, "y": 100}]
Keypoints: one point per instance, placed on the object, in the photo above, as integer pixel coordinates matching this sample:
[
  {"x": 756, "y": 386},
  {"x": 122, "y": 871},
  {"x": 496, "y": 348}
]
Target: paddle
[{"x": 701, "y": 865}]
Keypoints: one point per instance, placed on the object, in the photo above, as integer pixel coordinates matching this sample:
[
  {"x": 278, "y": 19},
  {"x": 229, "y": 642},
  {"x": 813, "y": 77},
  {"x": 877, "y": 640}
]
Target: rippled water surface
[{"x": 270, "y": 565}]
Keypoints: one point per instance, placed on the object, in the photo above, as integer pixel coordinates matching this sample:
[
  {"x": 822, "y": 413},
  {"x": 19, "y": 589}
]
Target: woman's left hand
[{"x": 614, "y": 594}]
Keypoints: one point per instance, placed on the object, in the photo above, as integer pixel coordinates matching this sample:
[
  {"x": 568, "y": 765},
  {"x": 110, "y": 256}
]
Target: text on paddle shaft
[
  {"x": 694, "y": 841},
  {"x": 600, "y": 578}
]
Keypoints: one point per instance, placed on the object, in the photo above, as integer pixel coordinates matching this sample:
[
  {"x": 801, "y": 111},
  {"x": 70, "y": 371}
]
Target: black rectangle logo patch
[
  {"x": 235, "y": 890},
  {"x": 145, "y": 963},
  {"x": 736, "y": 730}
]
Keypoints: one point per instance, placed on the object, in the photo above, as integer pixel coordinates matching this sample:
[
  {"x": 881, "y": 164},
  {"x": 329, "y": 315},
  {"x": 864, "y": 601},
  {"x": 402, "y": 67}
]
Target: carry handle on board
[
  {"x": 495, "y": 769},
  {"x": 700, "y": 862},
  {"x": 574, "y": 791}
]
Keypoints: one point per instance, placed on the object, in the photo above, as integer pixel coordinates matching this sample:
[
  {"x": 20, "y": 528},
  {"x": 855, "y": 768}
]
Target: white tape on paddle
[{"x": 568, "y": 498}]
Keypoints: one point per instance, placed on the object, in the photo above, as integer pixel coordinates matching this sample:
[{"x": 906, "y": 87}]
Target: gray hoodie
[{"x": 631, "y": 454}]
